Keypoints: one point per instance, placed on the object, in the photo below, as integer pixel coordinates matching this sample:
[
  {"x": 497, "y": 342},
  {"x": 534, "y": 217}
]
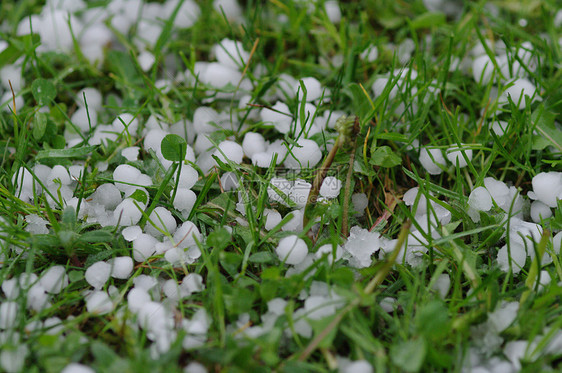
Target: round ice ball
[
  {"x": 313, "y": 89},
  {"x": 278, "y": 116},
  {"x": 107, "y": 195},
  {"x": 455, "y": 155},
  {"x": 272, "y": 218},
  {"x": 188, "y": 177},
  {"x": 330, "y": 188},
  {"x": 144, "y": 247},
  {"x": 292, "y": 250},
  {"x": 121, "y": 267},
  {"x": 540, "y": 211},
  {"x": 517, "y": 91},
  {"x": 84, "y": 119},
  {"x": 305, "y": 154},
  {"x": 127, "y": 213},
  {"x": 97, "y": 274},
  {"x": 124, "y": 175},
  {"x": 161, "y": 220},
  {"x": 229, "y": 150},
  {"x": 126, "y": 121},
  {"x": 480, "y": 199},
  {"x": 431, "y": 160},
  {"x": 184, "y": 200},
  {"x": 253, "y": 143},
  {"x": 482, "y": 69},
  {"x": 54, "y": 279},
  {"x": 231, "y": 53},
  {"x": 547, "y": 186}
]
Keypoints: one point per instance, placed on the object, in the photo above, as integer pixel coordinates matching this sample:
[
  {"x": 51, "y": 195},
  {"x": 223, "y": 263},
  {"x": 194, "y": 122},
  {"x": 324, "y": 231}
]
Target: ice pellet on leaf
[
  {"x": 8, "y": 314},
  {"x": 540, "y": 211},
  {"x": 455, "y": 155},
  {"x": 136, "y": 298}
]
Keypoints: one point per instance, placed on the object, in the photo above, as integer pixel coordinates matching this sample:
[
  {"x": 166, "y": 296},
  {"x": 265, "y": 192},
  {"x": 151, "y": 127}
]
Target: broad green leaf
[
  {"x": 547, "y": 132},
  {"x": 432, "y": 319},
  {"x": 74, "y": 276},
  {"x": 429, "y": 20},
  {"x": 219, "y": 239},
  {"x": 262, "y": 257},
  {"x": 98, "y": 235},
  {"x": 174, "y": 148},
  {"x": 383, "y": 156},
  {"x": 44, "y": 91},
  {"x": 39, "y": 125},
  {"x": 139, "y": 196},
  {"x": 81, "y": 152},
  {"x": 17, "y": 47},
  {"x": 409, "y": 355}
]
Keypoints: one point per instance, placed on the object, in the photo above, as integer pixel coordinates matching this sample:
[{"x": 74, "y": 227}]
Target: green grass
[{"x": 440, "y": 107}]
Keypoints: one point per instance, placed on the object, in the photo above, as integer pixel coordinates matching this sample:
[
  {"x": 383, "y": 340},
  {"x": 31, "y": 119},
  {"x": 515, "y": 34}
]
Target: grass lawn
[{"x": 288, "y": 186}]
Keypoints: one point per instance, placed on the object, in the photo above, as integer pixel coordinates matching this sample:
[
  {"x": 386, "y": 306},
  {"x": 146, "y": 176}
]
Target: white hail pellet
[
  {"x": 54, "y": 279},
  {"x": 295, "y": 224},
  {"x": 313, "y": 89},
  {"x": 98, "y": 302},
  {"x": 305, "y": 154},
  {"x": 184, "y": 200},
  {"x": 229, "y": 150},
  {"x": 192, "y": 283},
  {"x": 187, "y": 15},
  {"x": 229, "y": 181},
  {"x": 146, "y": 60},
  {"x": 37, "y": 298},
  {"x": 132, "y": 232},
  {"x": 272, "y": 218},
  {"x": 279, "y": 116},
  {"x": 131, "y": 153},
  {"x": 328, "y": 251},
  {"x": 84, "y": 119},
  {"x": 97, "y": 274},
  {"x": 331, "y": 187},
  {"x": 93, "y": 99},
  {"x": 516, "y": 255},
  {"x": 517, "y": 91},
  {"x": 205, "y": 120},
  {"x": 188, "y": 177},
  {"x": 77, "y": 368},
  {"x": 455, "y": 155},
  {"x": 8, "y": 314},
  {"x": 253, "y": 143},
  {"x": 431, "y": 160},
  {"x": 482, "y": 69},
  {"x": 13, "y": 359},
  {"x": 186, "y": 234},
  {"x": 442, "y": 285},
  {"x": 231, "y": 53},
  {"x": 160, "y": 219},
  {"x": 218, "y": 75},
  {"x": 504, "y": 314},
  {"x": 124, "y": 175},
  {"x": 370, "y": 54},
  {"x": 480, "y": 199},
  {"x": 60, "y": 173},
  {"x": 11, "y": 288},
  {"x": 360, "y": 202},
  {"x": 144, "y": 247},
  {"x": 136, "y": 298},
  {"x": 547, "y": 187},
  {"x": 540, "y": 211},
  {"x": 127, "y": 213},
  {"x": 121, "y": 267},
  {"x": 125, "y": 121},
  {"x": 333, "y": 11},
  {"x": 233, "y": 12},
  {"x": 291, "y": 250}
]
